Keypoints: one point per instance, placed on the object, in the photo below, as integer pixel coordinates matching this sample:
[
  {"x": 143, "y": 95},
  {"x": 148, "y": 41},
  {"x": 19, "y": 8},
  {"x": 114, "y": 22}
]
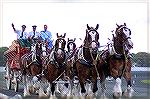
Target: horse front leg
[
  {"x": 103, "y": 88},
  {"x": 48, "y": 90},
  {"x": 117, "y": 88},
  {"x": 129, "y": 91},
  {"x": 52, "y": 91},
  {"x": 41, "y": 91},
  {"x": 94, "y": 80},
  {"x": 83, "y": 90}
]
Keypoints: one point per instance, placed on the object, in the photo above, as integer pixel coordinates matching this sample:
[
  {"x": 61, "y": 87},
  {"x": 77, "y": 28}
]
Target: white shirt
[
  {"x": 37, "y": 34},
  {"x": 19, "y": 33},
  {"x": 46, "y": 35}
]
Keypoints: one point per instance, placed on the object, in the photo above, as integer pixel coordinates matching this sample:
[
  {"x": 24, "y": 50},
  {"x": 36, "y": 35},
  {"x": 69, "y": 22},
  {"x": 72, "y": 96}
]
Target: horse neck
[
  {"x": 118, "y": 45},
  {"x": 87, "y": 53}
]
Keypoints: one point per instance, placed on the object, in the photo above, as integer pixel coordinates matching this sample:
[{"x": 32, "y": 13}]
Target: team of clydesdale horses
[{"x": 85, "y": 63}]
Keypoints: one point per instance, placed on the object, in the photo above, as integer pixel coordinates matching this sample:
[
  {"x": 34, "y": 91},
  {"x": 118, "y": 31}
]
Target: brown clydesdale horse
[
  {"x": 71, "y": 57},
  {"x": 72, "y": 51},
  {"x": 86, "y": 64},
  {"x": 116, "y": 61},
  {"x": 56, "y": 63},
  {"x": 31, "y": 66}
]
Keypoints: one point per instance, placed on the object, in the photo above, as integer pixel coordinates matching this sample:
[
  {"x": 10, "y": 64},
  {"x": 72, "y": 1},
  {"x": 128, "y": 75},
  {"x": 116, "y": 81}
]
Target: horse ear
[
  {"x": 57, "y": 35},
  {"x": 97, "y": 26},
  {"x": 74, "y": 39},
  {"x": 117, "y": 25},
  {"x": 124, "y": 24},
  {"x": 64, "y": 35},
  {"x": 88, "y": 27},
  {"x": 68, "y": 39}
]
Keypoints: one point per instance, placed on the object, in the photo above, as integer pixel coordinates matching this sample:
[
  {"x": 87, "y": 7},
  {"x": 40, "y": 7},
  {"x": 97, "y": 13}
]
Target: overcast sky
[{"x": 72, "y": 17}]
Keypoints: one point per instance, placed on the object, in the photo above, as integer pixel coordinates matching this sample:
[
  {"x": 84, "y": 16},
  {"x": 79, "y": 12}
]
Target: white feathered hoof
[
  {"x": 117, "y": 95},
  {"x": 52, "y": 97},
  {"x": 128, "y": 93},
  {"x": 17, "y": 96},
  {"x": 48, "y": 93},
  {"x": 26, "y": 93},
  {"x": 42, "y": 95},
  {"x": 31, "y": 89},
  {"x": 103, "y": 96},
  {"x": 70, "y": 97},
  {"x": 117, "y": 91},
  {"x": 83, "y": 96}
]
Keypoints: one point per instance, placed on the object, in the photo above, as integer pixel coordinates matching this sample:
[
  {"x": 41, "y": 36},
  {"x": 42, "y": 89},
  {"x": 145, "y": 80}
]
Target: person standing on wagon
[{"x": 21, "y": 35}]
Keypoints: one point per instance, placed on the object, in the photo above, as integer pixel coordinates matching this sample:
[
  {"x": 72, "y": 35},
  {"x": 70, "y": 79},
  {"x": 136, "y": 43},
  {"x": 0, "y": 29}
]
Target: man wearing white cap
[{"x": 34, "y": 34}]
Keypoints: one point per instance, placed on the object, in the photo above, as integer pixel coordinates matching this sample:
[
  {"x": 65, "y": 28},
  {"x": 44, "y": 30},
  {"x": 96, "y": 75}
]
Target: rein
[{"x": 95, "y": 62}]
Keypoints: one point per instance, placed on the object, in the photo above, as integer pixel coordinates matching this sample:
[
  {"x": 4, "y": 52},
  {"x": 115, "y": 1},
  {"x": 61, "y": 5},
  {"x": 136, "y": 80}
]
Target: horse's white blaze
[
  {"x": 43, "y": 50},
  {"x": 59, "y": 52},
  {"x": 71, "y": 46},
  {"x": 93, "y": 34},
  {"x": 94, "y": 44},
  {"x": 126, "y": 31},
  {"x": 117, "y": 87},
  {"x": 60, "y": 43}
]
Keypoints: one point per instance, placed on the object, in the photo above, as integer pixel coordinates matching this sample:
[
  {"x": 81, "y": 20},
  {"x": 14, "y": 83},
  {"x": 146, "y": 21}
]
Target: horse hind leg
[{"x": 117, "y": 88}]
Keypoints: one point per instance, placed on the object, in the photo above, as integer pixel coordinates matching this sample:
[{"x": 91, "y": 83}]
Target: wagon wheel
[{"x": 8, "y": 78}]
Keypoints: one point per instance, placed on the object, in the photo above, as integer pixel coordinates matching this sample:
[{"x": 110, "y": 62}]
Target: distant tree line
[
  {"x": 140, "y": 59},
  {"x": 2, "y": 58}
]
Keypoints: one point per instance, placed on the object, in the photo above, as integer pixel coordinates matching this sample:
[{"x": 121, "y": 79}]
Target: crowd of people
[{"x": 25, "y": 37}]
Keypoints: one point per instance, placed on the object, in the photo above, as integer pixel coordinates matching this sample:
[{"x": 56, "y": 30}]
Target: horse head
[
  {"x": 71, "y": 44},
  {"x": 60, "y": 47},
  {"x": 123, "y": 38},
  {"x": 92, "y": 37}
]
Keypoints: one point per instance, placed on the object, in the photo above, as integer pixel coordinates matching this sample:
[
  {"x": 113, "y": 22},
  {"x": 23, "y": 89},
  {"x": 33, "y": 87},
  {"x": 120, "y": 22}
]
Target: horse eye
[{"x": 125, "y": 29}]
